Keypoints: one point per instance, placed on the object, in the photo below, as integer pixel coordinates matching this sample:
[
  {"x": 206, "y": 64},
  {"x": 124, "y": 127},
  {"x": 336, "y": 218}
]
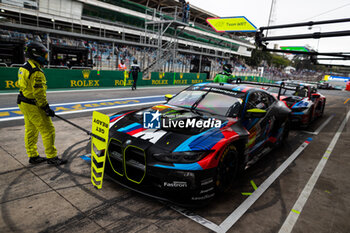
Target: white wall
[
  {"x": 244, "y": 51},
  {"x": 65, "y": 8},
  {"x": 20, "y": 3}
]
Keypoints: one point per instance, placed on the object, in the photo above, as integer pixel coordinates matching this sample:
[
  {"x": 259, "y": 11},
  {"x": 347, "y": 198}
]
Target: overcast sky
[{"x": 290, "y": 11}]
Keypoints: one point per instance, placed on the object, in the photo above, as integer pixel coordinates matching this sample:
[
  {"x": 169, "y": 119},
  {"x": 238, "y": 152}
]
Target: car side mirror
[
  {"x": 255, "y": 113},
  {"x": 168, "y": 97}
]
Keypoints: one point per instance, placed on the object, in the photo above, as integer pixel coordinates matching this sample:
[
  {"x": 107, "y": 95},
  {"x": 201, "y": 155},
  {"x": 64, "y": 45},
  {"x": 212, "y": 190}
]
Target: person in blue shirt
[{"x": 186, "y": 12}]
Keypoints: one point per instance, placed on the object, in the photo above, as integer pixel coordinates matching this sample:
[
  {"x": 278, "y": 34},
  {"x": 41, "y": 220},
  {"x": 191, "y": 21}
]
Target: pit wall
[
  {"x": 58, "y": 79},
  {"x": 68, "y": 79},
  {"x": 254, "y": 79}
]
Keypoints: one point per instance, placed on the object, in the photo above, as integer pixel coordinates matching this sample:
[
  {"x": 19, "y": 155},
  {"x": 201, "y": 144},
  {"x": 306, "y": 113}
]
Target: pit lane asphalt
[{"x": 47, "y": 199}]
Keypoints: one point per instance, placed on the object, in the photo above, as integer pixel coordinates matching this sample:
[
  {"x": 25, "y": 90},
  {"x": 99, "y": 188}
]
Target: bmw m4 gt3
[{"x": 193, "y": 146}]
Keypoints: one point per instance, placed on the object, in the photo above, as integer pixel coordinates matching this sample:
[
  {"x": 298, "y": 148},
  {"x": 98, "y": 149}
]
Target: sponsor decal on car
[
  {"x": 175, "y": 184},
  {"x": 207, "y": 190},
  {"x": 203, "y": 197},
  {"x": 206, "y": 181}
]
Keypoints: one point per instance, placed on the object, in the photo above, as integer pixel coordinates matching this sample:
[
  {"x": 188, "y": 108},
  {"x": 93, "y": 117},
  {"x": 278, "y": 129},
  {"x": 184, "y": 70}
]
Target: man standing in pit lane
[
  {"x": 34, "y": 106},
  {"x": 134, "y": 70}
]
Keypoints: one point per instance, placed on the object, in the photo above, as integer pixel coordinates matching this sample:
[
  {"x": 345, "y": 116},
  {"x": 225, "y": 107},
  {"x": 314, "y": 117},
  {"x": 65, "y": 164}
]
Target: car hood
[{"x": 130, "y": 126}]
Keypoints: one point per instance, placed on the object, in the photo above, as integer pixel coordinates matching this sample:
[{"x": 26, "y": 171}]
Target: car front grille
[
  {"x": 115, "y": 152},
  {"x": 135, "y": 164},
  {"x": 129, "y": 161}
]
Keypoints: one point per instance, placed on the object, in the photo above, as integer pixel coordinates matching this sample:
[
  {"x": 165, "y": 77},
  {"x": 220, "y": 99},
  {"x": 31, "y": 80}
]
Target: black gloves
[{"x": 48, "y": 110}]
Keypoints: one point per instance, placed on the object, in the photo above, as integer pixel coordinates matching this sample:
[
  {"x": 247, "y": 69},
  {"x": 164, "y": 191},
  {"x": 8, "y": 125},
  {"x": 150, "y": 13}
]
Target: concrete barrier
[{"x": 60, "y": 78}]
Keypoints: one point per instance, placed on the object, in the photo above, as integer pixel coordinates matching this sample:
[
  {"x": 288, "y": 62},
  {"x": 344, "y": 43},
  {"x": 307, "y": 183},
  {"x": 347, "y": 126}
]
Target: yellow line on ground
[
  {"x": 295, "y": 211},
  {"x": 253, "y": 184},
  {"x": 346, "y": 100},
  {"x": 246, "y": 194},
  {"x": 3, "y": 114}
]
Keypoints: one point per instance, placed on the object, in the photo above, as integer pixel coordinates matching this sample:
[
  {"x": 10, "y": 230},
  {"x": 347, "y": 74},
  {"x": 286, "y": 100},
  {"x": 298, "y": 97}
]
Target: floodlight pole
[
  {"x": 260, "y": 39},
  {"x": 316, "y": 35},
  {"x": 310, "y": 23},
  {"x": 308, "y": 53}
]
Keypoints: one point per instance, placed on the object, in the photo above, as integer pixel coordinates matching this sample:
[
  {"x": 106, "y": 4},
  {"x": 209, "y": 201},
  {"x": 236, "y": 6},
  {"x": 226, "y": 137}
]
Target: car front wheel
[{"x": 227, "y": 170}]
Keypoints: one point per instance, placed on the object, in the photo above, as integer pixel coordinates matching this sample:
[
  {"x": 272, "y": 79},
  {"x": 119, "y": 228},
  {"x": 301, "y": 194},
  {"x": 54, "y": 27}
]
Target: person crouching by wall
[
  {"x": 122, "y": 66},
  {"x": 134, "y": 71}
]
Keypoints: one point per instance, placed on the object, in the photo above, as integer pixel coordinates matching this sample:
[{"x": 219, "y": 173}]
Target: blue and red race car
[
  {"x": 196, "y": 144},
  {"x": 303, "y": 99}
]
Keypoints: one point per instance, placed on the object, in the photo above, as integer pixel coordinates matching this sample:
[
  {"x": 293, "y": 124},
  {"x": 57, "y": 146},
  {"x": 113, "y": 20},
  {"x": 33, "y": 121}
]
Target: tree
[
  {"x": 258, "y": 56},
  {"x": 301, "y": 62},
  {"x": 279, "y": 61}
]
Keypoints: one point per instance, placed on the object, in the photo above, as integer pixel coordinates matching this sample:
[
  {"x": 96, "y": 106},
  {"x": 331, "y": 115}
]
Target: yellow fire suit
[{"x": 33, "y": 87}]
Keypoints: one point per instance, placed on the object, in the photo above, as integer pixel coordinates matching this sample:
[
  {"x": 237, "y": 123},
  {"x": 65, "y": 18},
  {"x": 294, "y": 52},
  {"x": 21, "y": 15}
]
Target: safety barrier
[
  {"x": 224, "y": 78},
  {"x": 255, "y": 79},
  {"x": 86, "y": 78}
]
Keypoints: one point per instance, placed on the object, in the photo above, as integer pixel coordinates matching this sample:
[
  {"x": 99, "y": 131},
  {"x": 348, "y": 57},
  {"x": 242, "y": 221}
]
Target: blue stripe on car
[
  {"x": 203, "y": 141},
  {"x": 201, "y": 84},
  {"x": 115, "y": 116},
  {"x": 300, "y": 104},
  {"x": 130, "y": 128},
  {"x": 182, "y": 166},
  {"x": 298, "y": 113}
]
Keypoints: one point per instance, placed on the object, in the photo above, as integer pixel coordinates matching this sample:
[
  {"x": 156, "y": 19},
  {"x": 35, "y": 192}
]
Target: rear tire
[
  {"x": 310, "y": 119},
  {"x": 285, "y": 132},
  {"x": 228, "y": 169},
  {"x": 322, "y": 110}
]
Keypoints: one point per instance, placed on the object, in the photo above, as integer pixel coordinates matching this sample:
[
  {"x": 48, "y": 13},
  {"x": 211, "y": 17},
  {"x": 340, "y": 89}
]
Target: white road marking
[
  {"x": 305, "y": 194},
  {"x": 89, "y": 110},
  {"x": 100, "y": 89},
  {"x": 240, "y": 210},
  {"x": 318, "y": 130},
  {"x": 204, "y": 222},
  {"x": 308, "y": 132}
]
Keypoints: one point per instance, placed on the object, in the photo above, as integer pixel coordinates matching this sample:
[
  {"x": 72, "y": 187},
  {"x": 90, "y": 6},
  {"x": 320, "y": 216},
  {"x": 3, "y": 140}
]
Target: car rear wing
[{"x": 280, "y": 86}]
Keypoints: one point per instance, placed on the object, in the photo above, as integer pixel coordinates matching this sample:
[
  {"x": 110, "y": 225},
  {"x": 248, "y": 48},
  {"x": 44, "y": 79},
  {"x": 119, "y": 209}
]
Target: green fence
[
  {"x": 255, "y": 79},
  {"x": 57, "y": 78},
  {"x": 224, "y": 78}
]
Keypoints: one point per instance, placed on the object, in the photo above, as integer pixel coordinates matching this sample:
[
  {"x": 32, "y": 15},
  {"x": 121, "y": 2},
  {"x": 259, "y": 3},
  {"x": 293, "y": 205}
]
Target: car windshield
[{"x": 213, "y": 102}]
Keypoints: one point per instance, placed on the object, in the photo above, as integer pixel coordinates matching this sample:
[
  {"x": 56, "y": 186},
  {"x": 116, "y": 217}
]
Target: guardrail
[
  {"x": 16, "y": 65},
  {"x": 81, "y": 68},
  {"x": 58, "y": 67}
]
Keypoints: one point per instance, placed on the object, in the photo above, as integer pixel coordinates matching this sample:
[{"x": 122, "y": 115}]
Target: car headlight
[
  {"x": 181, "y": 157},
  {"x": 301, "y": 109}
]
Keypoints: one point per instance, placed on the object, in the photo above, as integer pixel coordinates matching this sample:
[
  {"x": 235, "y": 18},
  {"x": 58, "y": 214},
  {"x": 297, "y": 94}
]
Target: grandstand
[{"x": 98, "y": 34}]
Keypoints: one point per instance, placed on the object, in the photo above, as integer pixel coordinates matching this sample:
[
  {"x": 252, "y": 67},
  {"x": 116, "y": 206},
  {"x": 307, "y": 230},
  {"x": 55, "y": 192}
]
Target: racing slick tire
[
  {"x": 228, "y": 169},
  {"x": 285, "y": 132},
  {"x": 310, "y": 119},
  {"x": 322, "y": 109}
]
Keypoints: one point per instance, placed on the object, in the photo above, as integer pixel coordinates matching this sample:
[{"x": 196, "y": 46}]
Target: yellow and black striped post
[{"x": 99, "y": 143}]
